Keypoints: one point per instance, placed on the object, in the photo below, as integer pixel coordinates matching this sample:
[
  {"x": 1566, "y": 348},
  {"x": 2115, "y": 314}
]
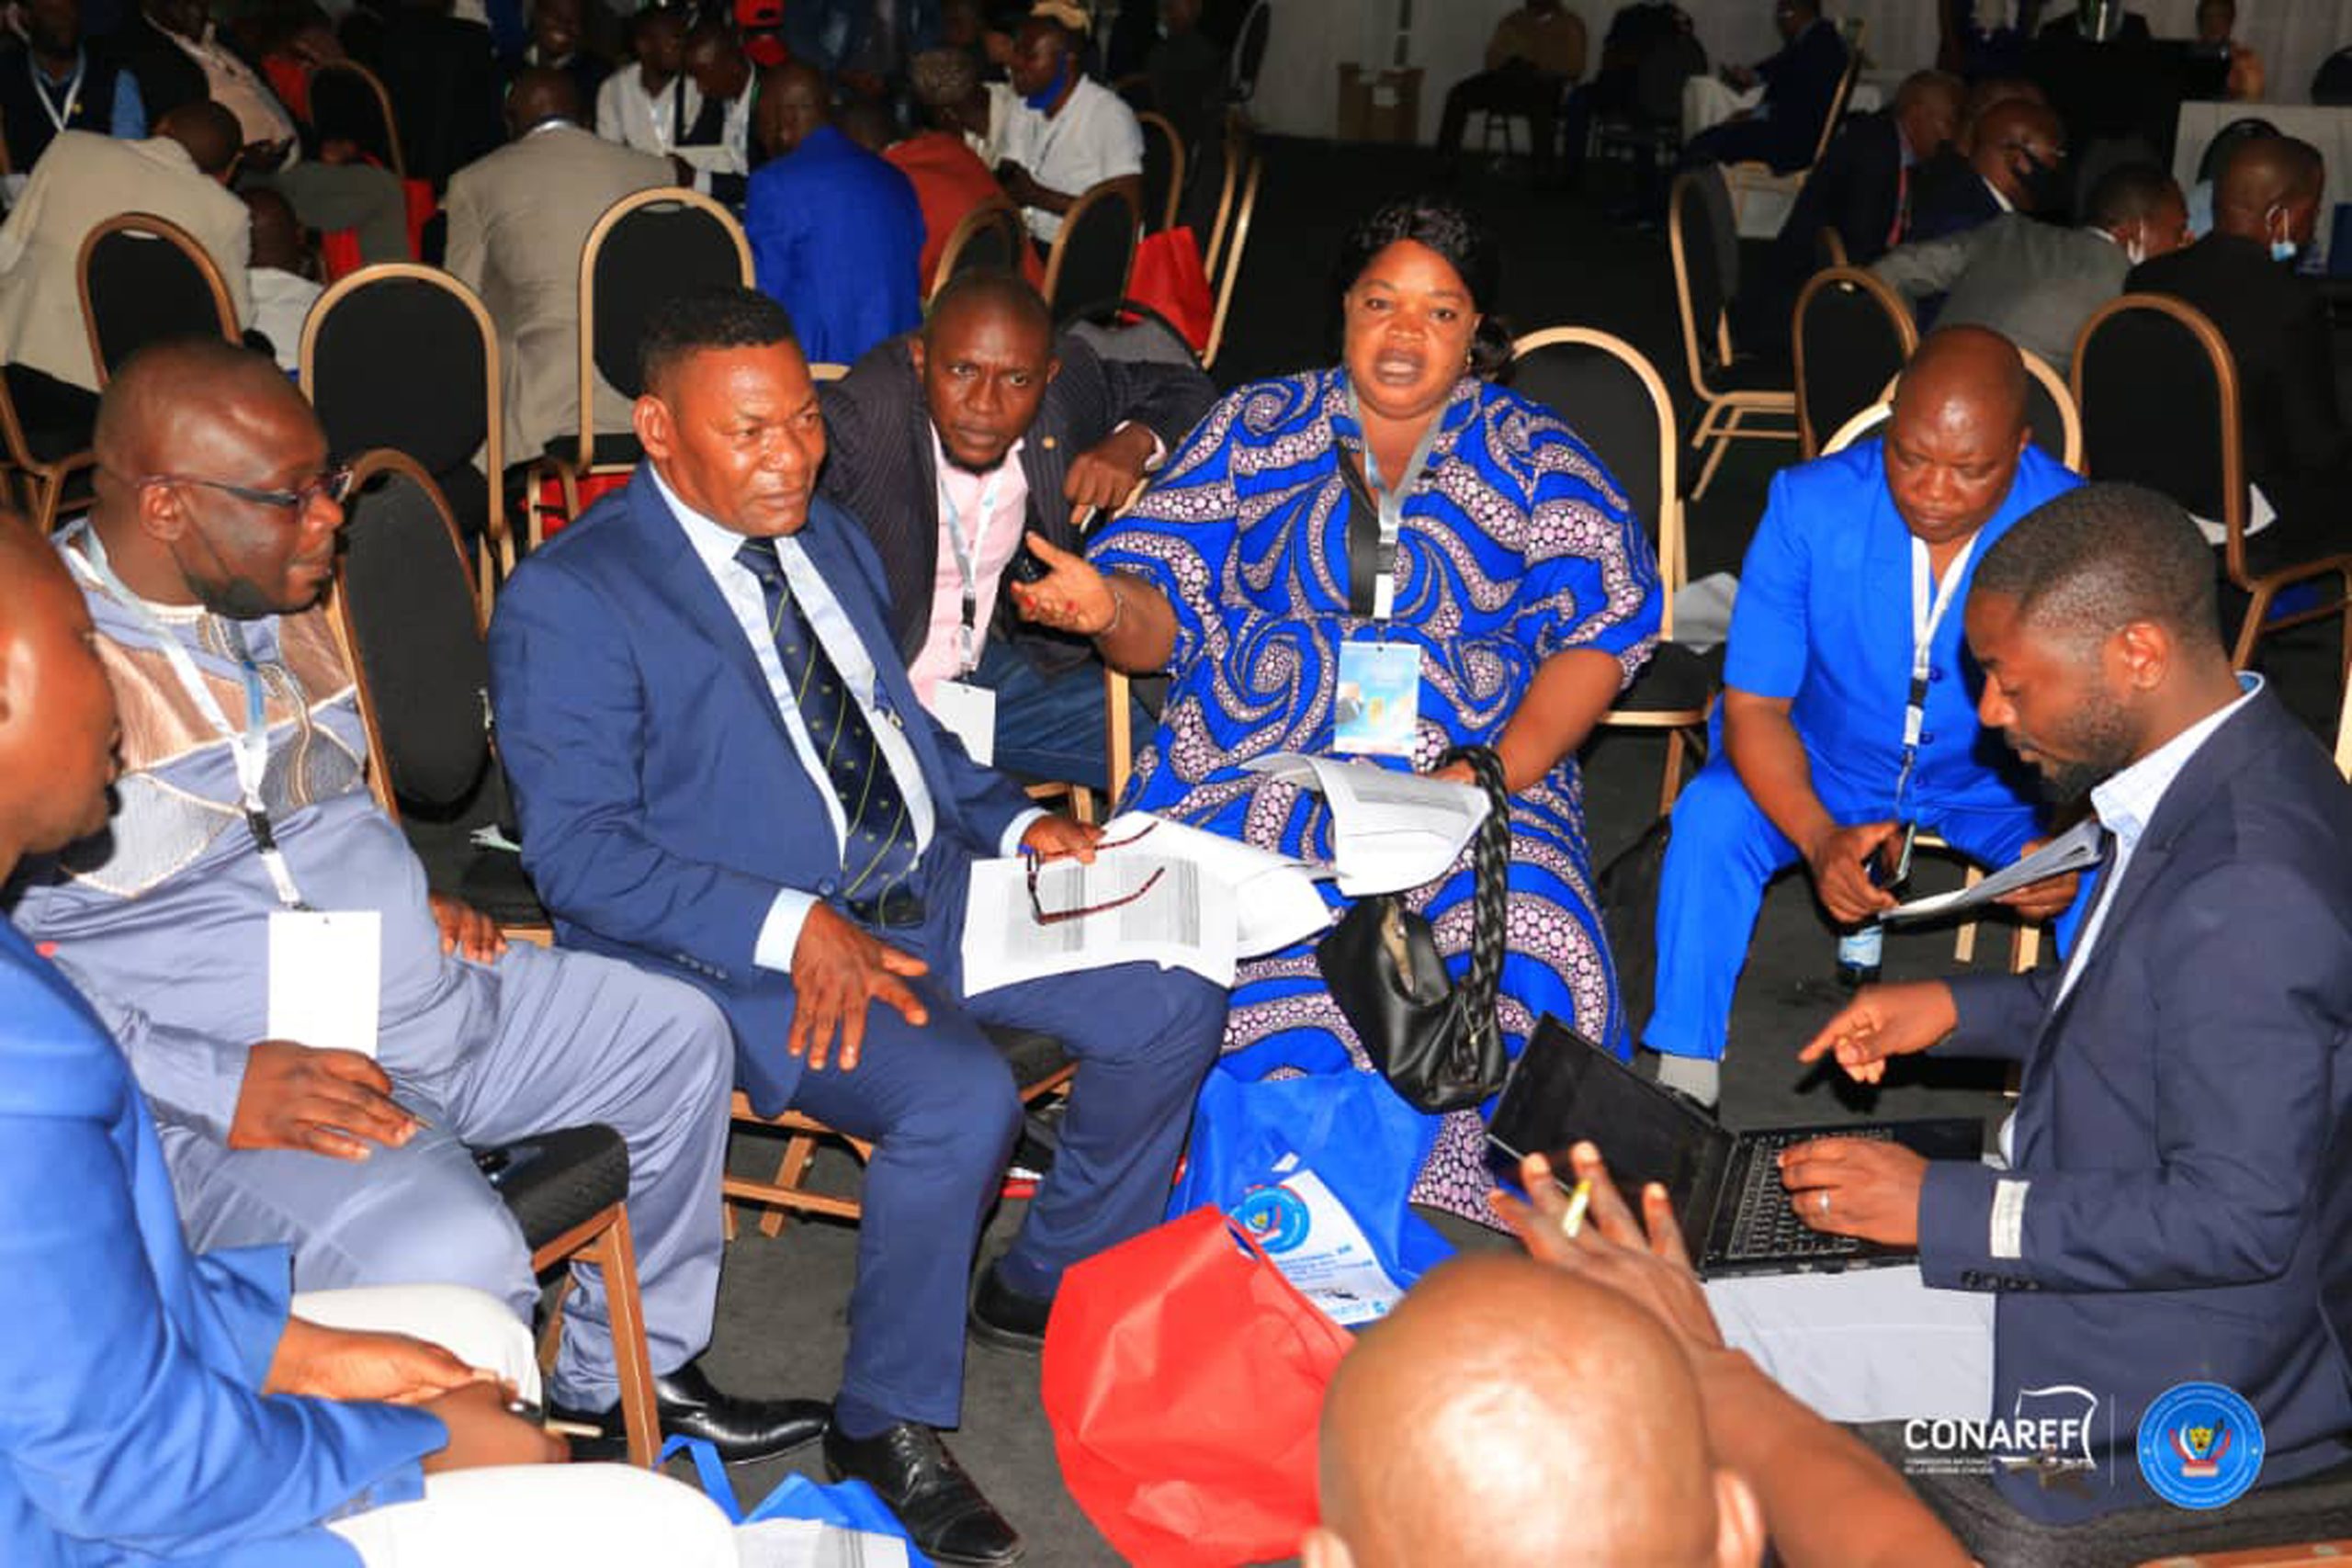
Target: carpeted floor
[{"x": 781, "y": 1328}]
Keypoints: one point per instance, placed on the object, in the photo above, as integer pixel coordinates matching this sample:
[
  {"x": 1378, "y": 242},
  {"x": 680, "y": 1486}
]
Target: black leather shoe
[
  {"x": 690, "y": 1405},
  {"x": 1007, "y": 1318},
  {"x": 914, "y": 1474}
]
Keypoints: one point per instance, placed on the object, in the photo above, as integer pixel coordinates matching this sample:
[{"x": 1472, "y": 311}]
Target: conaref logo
[{"x": 2047, "y": 1429}]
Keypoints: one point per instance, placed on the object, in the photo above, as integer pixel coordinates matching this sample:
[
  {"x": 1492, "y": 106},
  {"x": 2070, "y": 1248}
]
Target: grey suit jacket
[
  {"x": 518, "y": 220},
  {"x": 81, "y": 181},
  {"x": 2032, "y": 282}
]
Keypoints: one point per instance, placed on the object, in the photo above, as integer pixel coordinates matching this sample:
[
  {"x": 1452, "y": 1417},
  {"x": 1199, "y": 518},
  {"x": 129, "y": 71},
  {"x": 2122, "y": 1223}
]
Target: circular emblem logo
[
  {"x": 2200, "y": 1445},
  {"x": 1275, "y": 1217}
]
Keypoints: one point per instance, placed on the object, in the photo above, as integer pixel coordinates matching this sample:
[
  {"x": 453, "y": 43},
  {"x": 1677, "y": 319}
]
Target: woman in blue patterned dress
[{"x": 1521, "y": 583}]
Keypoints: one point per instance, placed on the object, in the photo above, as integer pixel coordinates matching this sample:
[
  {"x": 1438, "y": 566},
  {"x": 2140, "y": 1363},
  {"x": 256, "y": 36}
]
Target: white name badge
[
  {"x": 326, "y": 977},
  {"x": 1378, "y": 700},
  {"x": 970, "y": 712}
]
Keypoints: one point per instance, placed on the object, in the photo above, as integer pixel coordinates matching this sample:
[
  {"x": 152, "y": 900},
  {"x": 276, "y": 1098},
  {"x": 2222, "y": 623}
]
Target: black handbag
[{"x": 1439, "y": 1044}]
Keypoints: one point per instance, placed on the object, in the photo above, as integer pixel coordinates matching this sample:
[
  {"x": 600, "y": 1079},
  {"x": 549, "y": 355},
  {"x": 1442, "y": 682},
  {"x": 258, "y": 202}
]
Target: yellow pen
[{"x": 1579, "y": 1201}]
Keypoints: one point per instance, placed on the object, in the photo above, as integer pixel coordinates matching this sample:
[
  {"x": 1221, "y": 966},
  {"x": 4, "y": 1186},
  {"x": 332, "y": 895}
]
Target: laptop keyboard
[{"x": 1764, "y": 1226}]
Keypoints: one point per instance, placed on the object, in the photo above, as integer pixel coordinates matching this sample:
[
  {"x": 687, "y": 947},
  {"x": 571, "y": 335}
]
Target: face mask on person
[
  {"x": 2044, "y": 185},
  {"x": 2282, "y": 245},
  {"x": 1043, "y": 98}
]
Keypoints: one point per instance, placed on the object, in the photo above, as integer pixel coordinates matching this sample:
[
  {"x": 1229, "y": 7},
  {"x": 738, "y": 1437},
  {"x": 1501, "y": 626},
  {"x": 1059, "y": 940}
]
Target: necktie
[
  {"x": 1902, "y": 223},
  {"x": 878, "y": 848}
]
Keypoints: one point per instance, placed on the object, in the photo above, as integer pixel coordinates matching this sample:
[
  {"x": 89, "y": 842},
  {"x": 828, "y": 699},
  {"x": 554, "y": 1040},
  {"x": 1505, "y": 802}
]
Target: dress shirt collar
[
  {"x": 714, "y": 542},
  {"x": 1999, "y": 200},
  {"x": 2126, "y": 803},
  {"x": 952, "y": 472}
]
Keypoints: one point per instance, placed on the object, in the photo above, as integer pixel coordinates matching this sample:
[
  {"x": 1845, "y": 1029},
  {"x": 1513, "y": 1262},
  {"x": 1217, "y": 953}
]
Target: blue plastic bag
[
  {"x": 1362, "y": 1143},
  {"x": 852, "y": 1505}
]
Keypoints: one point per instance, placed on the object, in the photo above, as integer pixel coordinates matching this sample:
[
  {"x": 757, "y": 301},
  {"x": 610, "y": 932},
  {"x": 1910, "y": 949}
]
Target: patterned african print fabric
[{"x": 1516, "y": 545}]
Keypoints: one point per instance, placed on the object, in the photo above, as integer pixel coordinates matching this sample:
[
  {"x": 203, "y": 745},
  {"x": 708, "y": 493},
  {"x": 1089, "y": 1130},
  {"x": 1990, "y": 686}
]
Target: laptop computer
[{"x": 1725, "y": 1185}]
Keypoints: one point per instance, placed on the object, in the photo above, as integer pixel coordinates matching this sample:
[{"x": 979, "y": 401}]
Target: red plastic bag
[
  {"x": 1168, "y": 276},
  {"x": 1183, "y": 1377}
]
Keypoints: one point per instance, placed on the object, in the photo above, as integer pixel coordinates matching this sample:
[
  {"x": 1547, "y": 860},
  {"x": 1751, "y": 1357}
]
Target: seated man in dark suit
[
  {"x": 2266, "y": 209},
  {"x": 1799, "y": 84},
  {"x": 958, "y": 441},
  {"x": 724, "y": 776},
  {"x": 2016, "y": 162},
  {"x": 51, "y": 83},
  {"x": 1862, "y": 188},
  {"x": 2176, "y": 1204}
]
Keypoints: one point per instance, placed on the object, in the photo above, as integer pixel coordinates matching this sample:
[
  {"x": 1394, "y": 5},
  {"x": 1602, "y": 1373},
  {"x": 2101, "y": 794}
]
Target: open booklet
[
  {"x": 1162, "y": 893},
  {"x": 1389, "y": 830},
  {"x": 2070, "y": 851}
]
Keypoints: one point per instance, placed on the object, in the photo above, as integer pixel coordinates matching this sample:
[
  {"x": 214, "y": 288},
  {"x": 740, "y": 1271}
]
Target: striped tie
[{"x": 878, "y": 850}]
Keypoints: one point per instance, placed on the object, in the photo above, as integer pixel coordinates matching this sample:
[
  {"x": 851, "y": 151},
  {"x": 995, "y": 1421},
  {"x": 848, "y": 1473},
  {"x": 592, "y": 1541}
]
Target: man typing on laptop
[{"x": 2176, "y": 1205}]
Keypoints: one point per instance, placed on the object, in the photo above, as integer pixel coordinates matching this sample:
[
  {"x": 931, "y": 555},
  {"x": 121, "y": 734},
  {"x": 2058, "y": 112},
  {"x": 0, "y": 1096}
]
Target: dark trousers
[
  {"x": 940, "y": 1107},
  {"x": 1516, "y": 89}
]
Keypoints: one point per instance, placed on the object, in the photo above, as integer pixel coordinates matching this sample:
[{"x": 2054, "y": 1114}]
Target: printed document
[
  {"x": 2070, "y": 851},
  {"x": 1390, "y": 830}
]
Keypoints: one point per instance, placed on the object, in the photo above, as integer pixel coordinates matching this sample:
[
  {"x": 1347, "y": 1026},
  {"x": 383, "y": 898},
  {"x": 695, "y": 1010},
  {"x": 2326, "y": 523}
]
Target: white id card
[
  {"x": 327, "y": 974},
  {"x": 970, "y": 712},
  {"x": 1379, "y": 699}
]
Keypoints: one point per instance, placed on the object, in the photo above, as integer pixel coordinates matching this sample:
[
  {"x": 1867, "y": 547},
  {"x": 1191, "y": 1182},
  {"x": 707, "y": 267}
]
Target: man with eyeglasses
[
  {"x": 247, "y": 880},
  {"x": 724, "y": 774}
]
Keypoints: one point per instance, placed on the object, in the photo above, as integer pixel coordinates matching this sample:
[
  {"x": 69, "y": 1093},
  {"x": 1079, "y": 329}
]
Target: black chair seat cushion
[
  {"x": 1034, "y": 1057},
  {"x": 1755, "y": 373},
  {"x": 1675, "y": 680},
  {"x": 611, "y": 451},
  {"x": 559, "y": 1179},
  {"x": 493, "y": 881}
]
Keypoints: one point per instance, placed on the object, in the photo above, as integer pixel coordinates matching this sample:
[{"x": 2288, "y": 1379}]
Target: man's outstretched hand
[
  {"x": 1883, "y": 1022},
  {"x": 838, "y": 970},
  {"x": 1644, "y": 1259}
]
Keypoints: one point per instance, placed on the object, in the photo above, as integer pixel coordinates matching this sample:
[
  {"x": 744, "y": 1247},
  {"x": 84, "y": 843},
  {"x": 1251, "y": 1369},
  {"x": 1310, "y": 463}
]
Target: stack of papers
[
  {"x": 1390, "y": 830},
  {"x": 1217, "y": 901}
]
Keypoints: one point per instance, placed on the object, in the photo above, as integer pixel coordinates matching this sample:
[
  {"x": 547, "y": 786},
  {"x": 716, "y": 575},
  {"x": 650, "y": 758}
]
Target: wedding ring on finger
[{"x": 1825, "y": 1203}]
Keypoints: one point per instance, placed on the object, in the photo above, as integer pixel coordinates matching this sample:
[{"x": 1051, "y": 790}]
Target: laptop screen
[{"x": 1564, "y": 1089}]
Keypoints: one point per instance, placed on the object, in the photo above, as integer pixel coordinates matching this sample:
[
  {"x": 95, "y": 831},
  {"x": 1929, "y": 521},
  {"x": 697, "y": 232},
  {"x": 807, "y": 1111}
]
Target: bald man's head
[
  {"x": 1507, "y": 1414},
  {"x": 213, "y": 484},
  {"x": 1957, "y": 433},
  {"x": 210, "y": 134},
  {"x": 541, "y": 93},
  {"x": 57, "y": 712},
  {"x": 1927, "y": 111},
  {"x": 2269, "y": 191}
]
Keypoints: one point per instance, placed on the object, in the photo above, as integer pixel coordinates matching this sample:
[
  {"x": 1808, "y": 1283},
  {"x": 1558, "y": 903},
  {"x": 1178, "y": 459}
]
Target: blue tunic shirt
[
  {"x": 837, "y": 239},
  {"x": 1824, "y": 618}
]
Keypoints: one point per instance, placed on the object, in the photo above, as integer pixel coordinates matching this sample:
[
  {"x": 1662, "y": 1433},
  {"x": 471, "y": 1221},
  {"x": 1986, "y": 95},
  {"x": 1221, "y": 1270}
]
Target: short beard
[{"x": 2101, "y": 735}]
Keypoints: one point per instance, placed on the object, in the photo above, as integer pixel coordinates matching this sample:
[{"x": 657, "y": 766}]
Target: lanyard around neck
[
  {"x": 1387, "y": 503},
  {"x": 249, "y": 746},
  {"x": 58, "y": 117},
  {"x": 967, "y": 630},
  {"x": 1929, "y": 602}
]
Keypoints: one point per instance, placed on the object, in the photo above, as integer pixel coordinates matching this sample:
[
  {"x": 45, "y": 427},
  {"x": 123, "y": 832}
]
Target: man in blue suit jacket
[
  {"x": 715, "y": 744},
  {"x": 165, "y": 1406},
  {"x": 2177, "y": 1200},
  {"x": 1837, "y": 626},
  {"x": 836, "y": 231}
]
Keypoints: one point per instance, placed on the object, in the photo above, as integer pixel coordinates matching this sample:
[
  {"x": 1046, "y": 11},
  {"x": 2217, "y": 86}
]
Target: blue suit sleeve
[
  {"x": 2242, "y": 1110},
  {"x": 1999, "y": 1014},
  {"x": 1770, "y": 635},
  {"x": 571, "y": 727},
  {"x": 116, "y": 1425}
]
